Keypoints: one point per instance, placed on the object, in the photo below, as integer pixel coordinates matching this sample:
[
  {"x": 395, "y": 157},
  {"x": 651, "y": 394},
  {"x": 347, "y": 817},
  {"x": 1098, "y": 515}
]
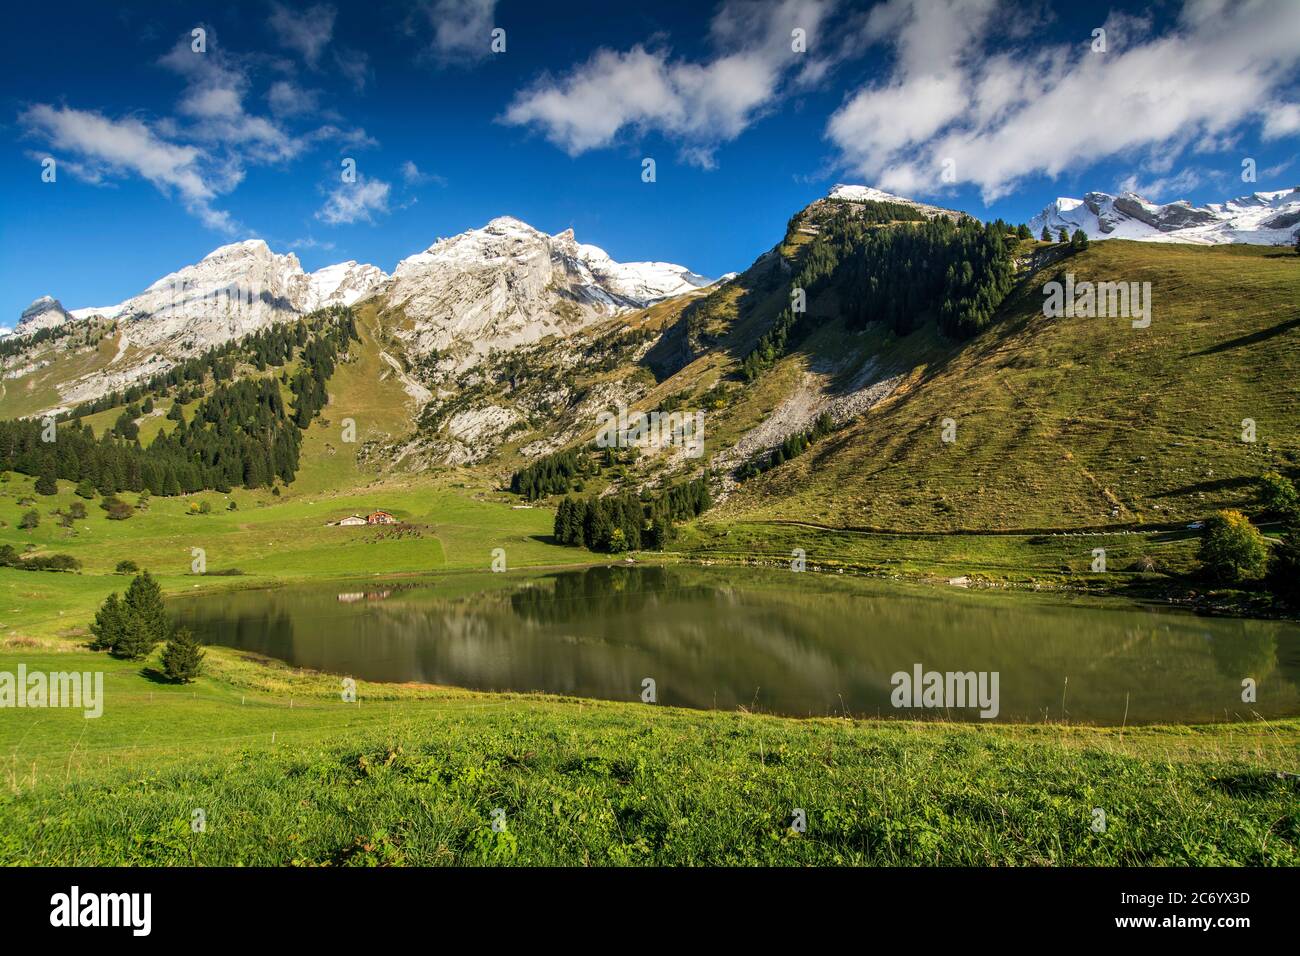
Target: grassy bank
[{"x": 285, "y": 772}]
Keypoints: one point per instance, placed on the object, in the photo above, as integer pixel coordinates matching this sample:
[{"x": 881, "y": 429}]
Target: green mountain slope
[{"x": 1066, "y": 423}]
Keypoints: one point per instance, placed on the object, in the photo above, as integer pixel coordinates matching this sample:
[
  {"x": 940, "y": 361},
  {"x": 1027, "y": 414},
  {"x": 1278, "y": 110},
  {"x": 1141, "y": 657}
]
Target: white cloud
[
  {"x": 1162, "y": 187},
  {"x": 702, "y": 104},
  {"x": 106, "y": 146},
  {"x": 306, "y": 32},
  {"x": 287, "y": 98},
  {"x": 1003, "y": 116},
  {"x": 213, "y": 103},
  {"x": 360, "y": 201},
  {"x": 200, "y": 153},
  {"x": 461, "y": 29},
  {"x": 355, "y": 66},
  {"x": 1281, "y": 119},
  {"x": 309, "y": 242},
  {"x": 412, "y": 175}
]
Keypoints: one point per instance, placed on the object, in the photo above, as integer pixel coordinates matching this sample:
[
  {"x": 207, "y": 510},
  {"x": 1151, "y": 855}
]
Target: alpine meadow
[{"x": 414, "y": 507}]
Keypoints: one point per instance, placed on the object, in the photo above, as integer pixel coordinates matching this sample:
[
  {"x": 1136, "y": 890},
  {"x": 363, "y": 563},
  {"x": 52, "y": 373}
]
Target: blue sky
[{"x": 163, "y": 153}]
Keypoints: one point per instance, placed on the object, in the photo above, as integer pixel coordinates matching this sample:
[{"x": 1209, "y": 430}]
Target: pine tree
[
  {"x": 1079, "y": 240},
  {"x": 1046, "y": 236},
  {"x": 110, "y": 624},
  {"x": 563, "y": 518},
  {"x": 146, "y": 624},
  {"x": 1063, "y": 236},
  {"x": 182, "y": 658}
]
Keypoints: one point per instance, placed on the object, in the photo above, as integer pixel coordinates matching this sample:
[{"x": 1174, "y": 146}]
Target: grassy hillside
[
  {"x": 366, "y": 390},
  {"x": 267, "y": 539},
  {"x": 1072, "y": 423},
  {"x": 287, "y": 773},
  {"x": 56, "y": 363}
]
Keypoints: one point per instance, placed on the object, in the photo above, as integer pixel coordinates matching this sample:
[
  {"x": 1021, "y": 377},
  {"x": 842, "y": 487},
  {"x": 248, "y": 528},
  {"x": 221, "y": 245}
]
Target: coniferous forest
[
  {"x": 628, "y": 521},
  {"x": 241, "y": 432},
  {"x": 899, "y": 274}
]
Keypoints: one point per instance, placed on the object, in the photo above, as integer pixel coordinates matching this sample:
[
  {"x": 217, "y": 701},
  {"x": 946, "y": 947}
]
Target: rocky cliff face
[
  {"x": 44, "y": 313},
  {"x": 508, "y": 284}
]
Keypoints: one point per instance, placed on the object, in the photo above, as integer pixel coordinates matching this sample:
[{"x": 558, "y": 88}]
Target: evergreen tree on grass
[
  {"x": 145, "y": 620},
  {"x": 110, "y": 624},
  {"x": 182, "y": 658}
]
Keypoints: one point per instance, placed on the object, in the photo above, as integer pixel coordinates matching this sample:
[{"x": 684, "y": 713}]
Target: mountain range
[
  {"x": 1261, "y": 218},
  {"x": 511, "y": 262},
  {"x": 494, "y": 287},
  {"x": 500, "y": 346},
  {"x": 262, "y": 286}
]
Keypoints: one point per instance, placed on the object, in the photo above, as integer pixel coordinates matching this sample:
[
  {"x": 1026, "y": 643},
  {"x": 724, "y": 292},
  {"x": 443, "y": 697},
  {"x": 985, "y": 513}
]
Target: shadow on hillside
[
  {"x": 1252, "y": 339},
  {"x": 1218, "y": 484},
  {"x": 689, "y": 337}
]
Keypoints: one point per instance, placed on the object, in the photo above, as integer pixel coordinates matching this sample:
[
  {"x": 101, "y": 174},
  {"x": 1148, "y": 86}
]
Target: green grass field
[
  {"x": 285, "y": 772},
  {"x": 269, "y": 541}
]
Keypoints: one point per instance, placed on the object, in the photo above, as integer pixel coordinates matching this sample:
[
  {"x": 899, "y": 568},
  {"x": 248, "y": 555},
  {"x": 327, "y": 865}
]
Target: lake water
[{"x": 775, "y": 642}]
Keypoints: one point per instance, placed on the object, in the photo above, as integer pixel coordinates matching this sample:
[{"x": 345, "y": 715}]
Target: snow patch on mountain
[
  {"x": 508, "y": 284},
  {"x": 851, "y": 193},
  {"x": 641, "y": 282},
  {"x": 863, "y": 194},
  {"x": 344, "y": 283},
  {"x": 1261, "y": 218}
]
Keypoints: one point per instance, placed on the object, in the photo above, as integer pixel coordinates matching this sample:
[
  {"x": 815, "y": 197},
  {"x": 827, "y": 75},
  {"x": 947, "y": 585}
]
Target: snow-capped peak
[
  {"x": 641, "y": 282},
  {"x": 507, "y": 283},
  {"x": 255, "y": 247},
  {"x": 1265, "y": 218},
  {"x": 862, "y": 194},
  {"x": 638, "y": 283},
  {"x": 343, "y": 283},
  {"x": 851, "y": 193}
]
